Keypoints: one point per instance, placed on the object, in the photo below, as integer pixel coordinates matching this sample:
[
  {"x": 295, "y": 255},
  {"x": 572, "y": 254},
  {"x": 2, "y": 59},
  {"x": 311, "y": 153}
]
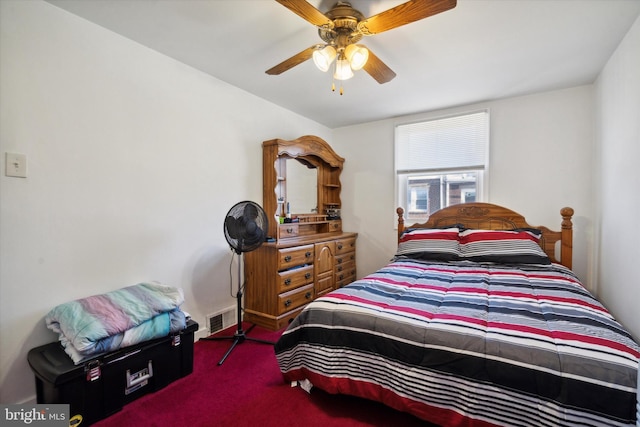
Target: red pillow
[{"x": 430, "y": 244}]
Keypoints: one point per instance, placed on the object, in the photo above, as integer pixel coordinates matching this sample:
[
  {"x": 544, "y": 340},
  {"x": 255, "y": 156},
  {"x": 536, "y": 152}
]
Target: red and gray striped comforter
[{"x": 468, "y": 344}]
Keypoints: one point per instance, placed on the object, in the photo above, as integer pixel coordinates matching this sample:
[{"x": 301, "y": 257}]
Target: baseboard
[{"x": 201, "y": 333}]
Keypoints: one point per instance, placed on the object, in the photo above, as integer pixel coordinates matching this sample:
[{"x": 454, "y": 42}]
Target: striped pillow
[
  {"x": 439, "y": 244},
  {"x": 503, "y": 246}
]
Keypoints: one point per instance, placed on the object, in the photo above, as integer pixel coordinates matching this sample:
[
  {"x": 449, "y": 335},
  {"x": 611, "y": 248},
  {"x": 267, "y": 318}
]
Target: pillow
[
  {"x": 439, "y": 244},
  {"x": 503, "y": 246}
]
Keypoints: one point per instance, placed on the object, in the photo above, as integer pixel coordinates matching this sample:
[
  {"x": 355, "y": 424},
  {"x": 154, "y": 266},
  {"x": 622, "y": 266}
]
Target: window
[{"x": 440, "y": 162}]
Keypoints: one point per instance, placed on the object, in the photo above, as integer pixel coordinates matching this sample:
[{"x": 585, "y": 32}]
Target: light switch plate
[{"x": 15, "y": 165}]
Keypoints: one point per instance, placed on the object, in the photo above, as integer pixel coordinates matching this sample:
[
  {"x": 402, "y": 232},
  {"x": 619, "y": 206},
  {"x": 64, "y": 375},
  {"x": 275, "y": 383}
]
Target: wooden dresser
[
  {"x": 282, "y": 277},
  {"x": 307, "y": 256}
]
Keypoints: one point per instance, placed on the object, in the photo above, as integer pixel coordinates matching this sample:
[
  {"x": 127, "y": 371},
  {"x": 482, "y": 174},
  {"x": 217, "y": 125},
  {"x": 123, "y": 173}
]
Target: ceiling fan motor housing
[{"x": 344, "y": 30}]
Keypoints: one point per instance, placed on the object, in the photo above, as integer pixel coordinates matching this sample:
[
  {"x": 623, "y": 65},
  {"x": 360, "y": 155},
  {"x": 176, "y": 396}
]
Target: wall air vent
[{"x": 221, "y": 320}]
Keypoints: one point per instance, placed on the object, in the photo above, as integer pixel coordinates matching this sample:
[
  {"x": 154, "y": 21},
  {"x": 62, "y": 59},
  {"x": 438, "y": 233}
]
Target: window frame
[{"x": 481, "y": 185}]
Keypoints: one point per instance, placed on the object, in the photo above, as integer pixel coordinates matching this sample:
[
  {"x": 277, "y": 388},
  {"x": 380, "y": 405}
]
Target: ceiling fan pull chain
[{"x": 333, "y": 87}]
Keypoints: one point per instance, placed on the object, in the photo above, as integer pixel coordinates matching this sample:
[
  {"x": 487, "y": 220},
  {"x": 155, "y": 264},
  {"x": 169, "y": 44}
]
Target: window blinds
[{"x": 451, "y": 143}]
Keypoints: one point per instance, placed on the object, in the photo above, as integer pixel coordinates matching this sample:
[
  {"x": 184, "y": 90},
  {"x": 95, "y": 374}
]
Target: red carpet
[{"x": 248, "y": 390}]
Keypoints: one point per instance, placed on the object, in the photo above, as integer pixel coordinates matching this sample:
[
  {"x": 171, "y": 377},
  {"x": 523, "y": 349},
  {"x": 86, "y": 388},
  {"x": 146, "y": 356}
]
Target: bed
[{"x": 478, "y": 320}]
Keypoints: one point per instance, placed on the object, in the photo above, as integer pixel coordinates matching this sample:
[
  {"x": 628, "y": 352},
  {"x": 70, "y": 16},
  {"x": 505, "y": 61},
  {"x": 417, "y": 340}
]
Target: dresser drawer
[
  {"x": 284, "y": 319},
  {"x": 291, "y": 257},
  {"x": 335, "y": 226},
  {"x": 294, "y": 278},
  {"x": 345, "y": 245},
  {"x": 346, "y": 276},
  {"x": 345, "y": 266},
  {"x": 295, "y": 298},
  {"x": 288, "y": 230},
  {"x": 345, "y": 258}
]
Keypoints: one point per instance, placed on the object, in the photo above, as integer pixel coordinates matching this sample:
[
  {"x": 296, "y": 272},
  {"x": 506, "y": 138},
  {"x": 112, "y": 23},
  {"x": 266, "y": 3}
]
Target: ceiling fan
[{"x": 342, "y": 27}]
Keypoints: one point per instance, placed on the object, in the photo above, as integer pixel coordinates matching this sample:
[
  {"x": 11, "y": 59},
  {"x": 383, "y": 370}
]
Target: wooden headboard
[{"x": 487, "y": 216}]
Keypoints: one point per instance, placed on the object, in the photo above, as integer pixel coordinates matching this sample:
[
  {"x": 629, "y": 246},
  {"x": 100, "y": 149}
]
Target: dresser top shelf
[{"x": 307, "y": 240}]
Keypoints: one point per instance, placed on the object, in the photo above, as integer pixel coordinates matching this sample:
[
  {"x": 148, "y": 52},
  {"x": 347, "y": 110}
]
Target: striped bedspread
[
  {"x": 99, "y": 324},
  {"x": 468, "y": 344}
]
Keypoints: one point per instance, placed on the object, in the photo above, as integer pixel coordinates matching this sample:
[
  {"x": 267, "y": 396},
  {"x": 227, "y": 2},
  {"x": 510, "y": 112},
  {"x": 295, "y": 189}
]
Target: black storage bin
[{"x": 100, "y": 387}]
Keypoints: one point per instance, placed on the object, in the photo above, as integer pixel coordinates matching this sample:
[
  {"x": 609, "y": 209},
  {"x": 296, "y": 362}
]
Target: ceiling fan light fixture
[
  {"x": 324, "y": 57},
  {"x": 343, "y": 25},
  {"x": 357, "y": 55},
  {"x": 343, "y": 69}
]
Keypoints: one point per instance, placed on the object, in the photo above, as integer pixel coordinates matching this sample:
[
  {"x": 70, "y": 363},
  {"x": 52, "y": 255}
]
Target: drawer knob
[
  {"x": 287, "y": 281},
  {"x": 340, "y": 268},
  {"x": 307, "y": 254},
  {"x": 339, "y": 246},
  {"x": 307, "y": 276},
  {"x": 287, "y": 303},
  {"x": 339, "y": 260},
  {"x": 289, "y": 230},
  {"x": 307, "y": 295},
  {"x": 341, "y": 277},
  {"x": 287, "y": 258}
]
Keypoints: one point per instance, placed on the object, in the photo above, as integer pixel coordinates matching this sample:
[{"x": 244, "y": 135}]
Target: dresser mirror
[{"x": 302, "y": 187}]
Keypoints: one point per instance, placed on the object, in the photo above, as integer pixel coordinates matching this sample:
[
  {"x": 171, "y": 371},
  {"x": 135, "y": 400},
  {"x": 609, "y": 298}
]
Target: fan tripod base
[{"x": 238, "y": 338}]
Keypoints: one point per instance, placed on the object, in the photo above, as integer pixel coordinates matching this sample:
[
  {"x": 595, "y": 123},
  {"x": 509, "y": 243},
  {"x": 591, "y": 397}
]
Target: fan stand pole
[{"x": 240, "y": 335}]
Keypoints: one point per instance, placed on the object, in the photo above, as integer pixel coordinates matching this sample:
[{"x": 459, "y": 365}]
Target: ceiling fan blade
[
  {"x": 306, "y": 11},
  {"x": 378, "y": 69},
  {"x": 402, "y": 14},
  {"x": 296, "y": 59}
]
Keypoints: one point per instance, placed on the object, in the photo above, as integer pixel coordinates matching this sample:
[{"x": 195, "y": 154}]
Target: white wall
[
  {"x": 617, "y": 161},
  {"x": 133, "y": 161},
  {"x": 540, "y": 161}
]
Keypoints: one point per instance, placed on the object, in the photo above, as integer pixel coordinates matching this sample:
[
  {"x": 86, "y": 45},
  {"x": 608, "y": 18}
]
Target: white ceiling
[{"x": 480, "y": 50}]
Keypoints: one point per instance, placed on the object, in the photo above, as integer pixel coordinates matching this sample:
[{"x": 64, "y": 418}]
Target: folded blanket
[
  {"x": 98, "y": 324},
  {"x": 156, "y": 327}
]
